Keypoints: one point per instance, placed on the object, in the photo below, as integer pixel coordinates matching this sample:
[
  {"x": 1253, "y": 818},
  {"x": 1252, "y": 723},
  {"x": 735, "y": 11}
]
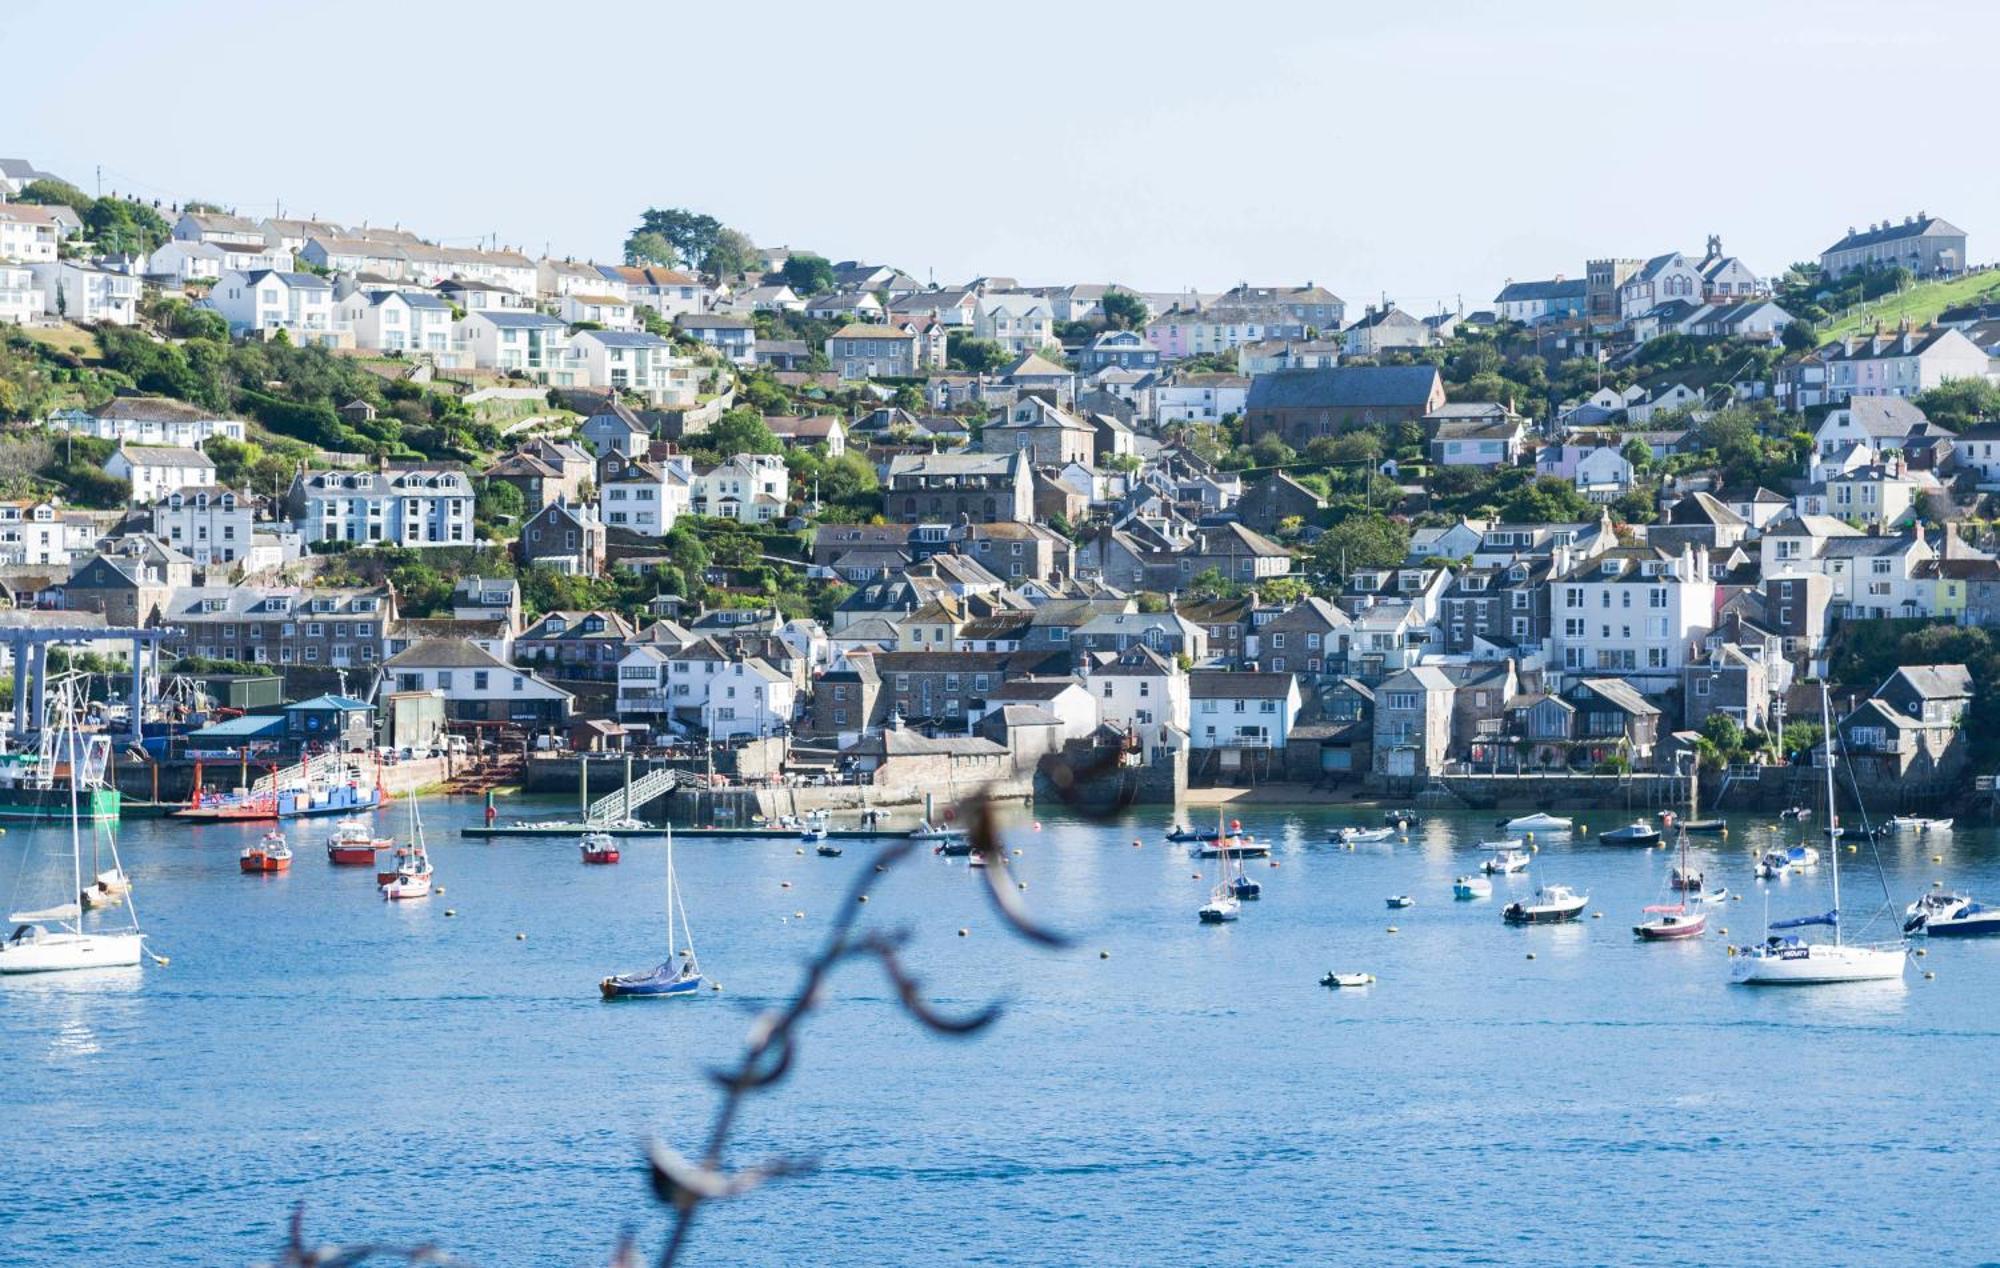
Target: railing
[
  {"x": 327, "y": 767},
  {"x": 647, "y": 787}
]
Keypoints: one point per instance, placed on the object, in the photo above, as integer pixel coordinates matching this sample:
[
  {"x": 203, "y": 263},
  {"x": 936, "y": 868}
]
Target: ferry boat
[{"x": 311, "y": 801}]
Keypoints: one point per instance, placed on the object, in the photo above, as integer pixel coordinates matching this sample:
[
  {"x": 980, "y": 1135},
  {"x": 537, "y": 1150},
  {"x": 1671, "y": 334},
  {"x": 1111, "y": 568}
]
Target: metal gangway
[
  {"x": 326, "y": 768},
  {"x": 636, "y": 793}
]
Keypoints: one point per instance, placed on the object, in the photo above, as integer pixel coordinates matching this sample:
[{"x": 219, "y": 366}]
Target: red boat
[
  {"x": 353, "y": 844},
  {"x": 599, "y": 847},
  {"x": 269, "y": 855}
]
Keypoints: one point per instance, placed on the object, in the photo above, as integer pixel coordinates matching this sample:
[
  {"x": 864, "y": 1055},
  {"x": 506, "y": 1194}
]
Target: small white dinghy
[
  {"x": 1539, "y": 822},
  {"x": 1473, "y": 886},
  {"x": 1348, "y": 979}
]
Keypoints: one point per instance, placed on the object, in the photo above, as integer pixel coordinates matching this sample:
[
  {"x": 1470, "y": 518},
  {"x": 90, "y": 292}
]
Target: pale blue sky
[{"x": 1423, "y": 149}]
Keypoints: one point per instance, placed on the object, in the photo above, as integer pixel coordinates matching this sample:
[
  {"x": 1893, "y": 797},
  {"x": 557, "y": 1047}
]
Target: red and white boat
[
  {"x": 412, "y": 877},
  {"x": 353, "y": 844},
  {"x": 599, "y": 847},
  {"x": 269, "y": 855},
  {"x": 1674, "y": 920}
]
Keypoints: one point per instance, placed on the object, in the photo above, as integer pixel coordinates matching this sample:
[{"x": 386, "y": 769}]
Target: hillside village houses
[{"x": 1135, "y": 535}]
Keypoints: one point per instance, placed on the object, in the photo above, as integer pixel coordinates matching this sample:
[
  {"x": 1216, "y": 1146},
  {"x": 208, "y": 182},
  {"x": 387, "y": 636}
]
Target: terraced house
[
  {"x": 286, "y": 625},
  {"x": 418, "y": 505}
]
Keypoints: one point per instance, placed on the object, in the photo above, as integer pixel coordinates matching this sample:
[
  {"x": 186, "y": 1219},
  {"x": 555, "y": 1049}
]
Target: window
[
  {"x": 444, "y": 679},
  {"x": 479, "y": 679}
]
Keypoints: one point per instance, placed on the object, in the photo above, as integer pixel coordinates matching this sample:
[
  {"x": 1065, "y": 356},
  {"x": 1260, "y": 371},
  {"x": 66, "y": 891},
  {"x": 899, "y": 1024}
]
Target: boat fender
[{"x": 1038, "y": 825}]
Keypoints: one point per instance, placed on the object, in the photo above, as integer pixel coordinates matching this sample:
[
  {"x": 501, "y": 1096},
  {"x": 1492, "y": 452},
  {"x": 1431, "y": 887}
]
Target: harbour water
[{"x": 1194, "y": 1096}]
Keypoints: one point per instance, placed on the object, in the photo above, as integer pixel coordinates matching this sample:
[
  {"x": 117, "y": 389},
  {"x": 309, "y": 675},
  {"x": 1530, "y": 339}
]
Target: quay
[{"x": 760, "y": 834}]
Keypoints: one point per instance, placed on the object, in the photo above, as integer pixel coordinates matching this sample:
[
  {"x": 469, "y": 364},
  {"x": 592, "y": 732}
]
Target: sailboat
[
  {"x": 1786, "y": 959},
  {"x": 412, "y": 877},
  {"x": 53, "y": 939},
  {"x": 1671, "y": 920},
  {"x": 1223, "y": 905},
  {"x": 670, "y": 978}
]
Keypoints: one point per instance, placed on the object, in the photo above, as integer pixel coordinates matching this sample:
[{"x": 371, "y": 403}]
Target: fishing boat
[
  {"x": 1471, "y": 886},
  {"x": 1785, "y": 958},
  {"x": 679, "y": 975},
  {"x": 1673, "y": 921},
  {"x": 1637, "y": 832},
  {"x": 1234, "y": 843},
  {"x": 813, "y": 830},
  {"x": 1917, "y": 823},
  {"x": 1538, "y": 822},
  {"x": 1397, "y": 901},
  {"x": 354, "y": 843},
  {"x": 55, "y": 939},
  {"x": 1782, "y": 859},
  {"x": 1951, "y": 916},
  {"x": 1507, "y": 860},
  {"x": 270, "y": 854},
  {"x": 1551, "y": 905},
  {"x": 413, "y": 874},
  {"x": 1360, "y": 836},
  {"x": 1348, "y": 979},
  {"x": 598, "y": 848},
  {"x": 827, "y": 850}
]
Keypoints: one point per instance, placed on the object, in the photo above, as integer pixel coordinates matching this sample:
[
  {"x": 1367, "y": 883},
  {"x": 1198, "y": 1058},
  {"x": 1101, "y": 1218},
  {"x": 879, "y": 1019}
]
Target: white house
[
  {"x": 556, "y": 279},
  {"x": 1018, "y": 323},
  {"x": 1603, "y": 474},
  {"x": 397, "y": 321},
  {"x": 1200, "y": 398},
  {"x": 477, "y": 685},
  {"x": 641, "y": 495},
  {"x": 1977, "y": 448},
  {"x": 207, "y": 524},
  {"x": 29, "y": 234},
  {"x": 187, "y": 261},
  {"x": 21, "y": 300},
  {"x": 264, "y": 301},
  {"x": 1634, "y": 611},
  {"x": 513, "y": 341},
  {"x": 403, "y": 504},
  {"x": 748, "y": 488},
  {"x": 85, "y": 293},
  {"x": 727, "y": 695},
  {"x": 668, "y": 292},
  {"x": 1146, "y": 693},
  {"x": 734, "y": 337},
  {"x": 206, "y": 226},
  {"x": 633, "y": 361},
  {"x": 157, "y": 472},
  {"x": 644, "y": 684},
  {"x": 35, "y": 533},
  {"x": 609, "y": 311},
  {"x": 1241, "y": 710},
  {"x": 149, "y": 420}
]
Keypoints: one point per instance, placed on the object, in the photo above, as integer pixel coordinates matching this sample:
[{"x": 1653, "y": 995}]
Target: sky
[{"x": 1422, "y": 152}]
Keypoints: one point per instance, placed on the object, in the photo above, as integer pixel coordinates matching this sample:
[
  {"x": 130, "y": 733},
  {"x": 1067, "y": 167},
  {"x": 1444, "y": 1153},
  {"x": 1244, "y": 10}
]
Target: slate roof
[
  {"x": 1553, "y": 289},
  {"x": 1344, "y": 387},
  {"x": 1894, "y": 233},
  {"x": 1214, "y": 684}
]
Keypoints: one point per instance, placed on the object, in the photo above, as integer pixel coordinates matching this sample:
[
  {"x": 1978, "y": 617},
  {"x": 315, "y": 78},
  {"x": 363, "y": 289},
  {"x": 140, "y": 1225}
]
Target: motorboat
[
  {"x": 1538, "y": 822},
  {"x": 1178, "y": 835},
  {"x": 1401, "y": 900},
  {"x": 1637, "y": 832},
  {"x": 1796, "y": 813},
  {"x": 1917, "y": 823},
  {"x": 1234, "y": 843},
  {"x": 1551, "y": 905},
  {"x": 1705, "y": 827},
  {"x": 1506, "y": 861},
  {"x": 1246, "y": 889},
  {"x": 1783, "y": 859},
  {"x": 353, "y": 843},
  {"x": 945, "y": 838},
  {"x": 1338, "y": 980},
  {"x": 598, "y": 847},
  {"x": 676, "y": 977},
  {"x": 1686, "y": 879},
  {"x": 1402, "y": 819},
  {"x": 1472, "y": 886},
  {"x": 107, "y": 889},
  {"x": 1710, "y": 896},
  {"x": 1952, "y": 916},
  {"x": 270, "y": 854},
  {"x": 1360, "y": 836},
  {"x": 813, "y": 830},
  {"x": 827, "y": 850}
]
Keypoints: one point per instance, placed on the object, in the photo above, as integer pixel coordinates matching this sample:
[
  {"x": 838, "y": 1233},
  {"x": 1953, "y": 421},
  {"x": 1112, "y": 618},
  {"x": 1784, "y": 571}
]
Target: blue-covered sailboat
[{"x": 680, "y": 973}]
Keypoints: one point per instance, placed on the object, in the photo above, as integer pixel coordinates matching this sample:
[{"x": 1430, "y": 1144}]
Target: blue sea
[{"x": 1163, "y": 1092}]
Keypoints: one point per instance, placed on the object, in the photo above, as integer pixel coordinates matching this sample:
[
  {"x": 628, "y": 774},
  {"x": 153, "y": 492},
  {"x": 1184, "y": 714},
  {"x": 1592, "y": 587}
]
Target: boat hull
[
  {"x": 1816, "y": 964},
  {"x": 1517, "y": 915},
  {"x": 350, "y": 855},
  {"x": 95, "y": 805},
  {"x": 65, "y": 952},
  {"x": 1656, "y": 931},
  {"x": 649, "y": 987},
  {"x": 259, "y": 864},
  {"x": 1625, "y": 836},
  {"x": 1984, "y": 925}
]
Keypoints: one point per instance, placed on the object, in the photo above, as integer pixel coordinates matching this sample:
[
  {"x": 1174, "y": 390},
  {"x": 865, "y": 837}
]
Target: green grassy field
[
  {"x": 70, "y": 339},
  {"x": 1920, "y": 303}
]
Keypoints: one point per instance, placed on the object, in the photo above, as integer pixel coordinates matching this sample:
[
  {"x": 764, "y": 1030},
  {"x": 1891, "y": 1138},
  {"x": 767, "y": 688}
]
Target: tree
[
  {"x": 740, "y": 431},
  {"x": 1546, "y": 501},
  {"x": 692, "y": 234},
  {"x": 1638, "y": 453},
  {"x": 809, "y": 274},
  {"x": 975, "y": 355},
  {"x": 1360, "y": 541},
  {"x": 1123, "y": 310},
  {"x": 1283, "y": 590},
  {"x": 1960, "y": 403},
  {"x": 498, "y": 502},
  {"x": 732, "y": 252},
  {"x": 1636, "y": 506},
  {"x": 1271, "y": 451},
  {"x": 1799, "y": 336},
  {"x": 1731, "y": 433},
  {"x": 651, "y": 248},
  {"x": 909, "y": 397}
]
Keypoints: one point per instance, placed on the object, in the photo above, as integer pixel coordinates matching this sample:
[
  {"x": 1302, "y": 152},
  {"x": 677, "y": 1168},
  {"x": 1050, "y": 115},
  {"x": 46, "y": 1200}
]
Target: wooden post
[{"x": 583, "y": 784}]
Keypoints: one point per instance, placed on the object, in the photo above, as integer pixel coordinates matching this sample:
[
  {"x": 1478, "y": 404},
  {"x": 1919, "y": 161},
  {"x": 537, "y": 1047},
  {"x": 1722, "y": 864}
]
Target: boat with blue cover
[
  {"x": 1951, "y": 916},
  {"x": 677, "y": 975}
]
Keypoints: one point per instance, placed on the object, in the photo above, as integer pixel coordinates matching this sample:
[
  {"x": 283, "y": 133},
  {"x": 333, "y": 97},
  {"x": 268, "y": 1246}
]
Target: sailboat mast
[
  {"x": 670, "y": 890},
  {"x": 1832, "y": 818},
  {"x": 67, "y": 727}
]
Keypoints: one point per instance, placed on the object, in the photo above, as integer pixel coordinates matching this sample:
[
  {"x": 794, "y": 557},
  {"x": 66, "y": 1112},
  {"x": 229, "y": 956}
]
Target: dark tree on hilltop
[
  {"x": 1123, "y": 310},
  {"x": 691, "y": 233},
  {"x": 809, "y": 274}
]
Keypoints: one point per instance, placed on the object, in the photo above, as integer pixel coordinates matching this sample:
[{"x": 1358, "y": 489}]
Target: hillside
[{"x": 1920, "y": 303}]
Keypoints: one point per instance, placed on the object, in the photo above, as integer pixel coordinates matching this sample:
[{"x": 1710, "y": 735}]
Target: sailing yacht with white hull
[
  {"x": 1787, "y": 959},
  {"x": 53, "y": 939}
]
